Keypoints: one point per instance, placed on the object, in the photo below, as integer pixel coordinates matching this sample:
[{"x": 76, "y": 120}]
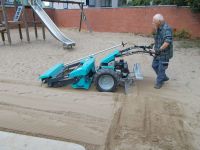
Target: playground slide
[{"x": 51, "y": 26}]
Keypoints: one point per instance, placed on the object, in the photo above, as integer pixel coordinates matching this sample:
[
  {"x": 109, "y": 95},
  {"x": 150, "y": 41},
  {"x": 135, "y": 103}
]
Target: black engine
[{"x": 122, "y": 67}]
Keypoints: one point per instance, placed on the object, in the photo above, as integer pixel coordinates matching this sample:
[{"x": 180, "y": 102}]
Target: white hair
[{"x": 158, "y": 17}]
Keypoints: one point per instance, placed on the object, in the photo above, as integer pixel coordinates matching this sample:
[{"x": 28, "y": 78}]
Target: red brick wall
[
  {"x": 135, "y": 19},
  {"x": 11, "y": 12}
]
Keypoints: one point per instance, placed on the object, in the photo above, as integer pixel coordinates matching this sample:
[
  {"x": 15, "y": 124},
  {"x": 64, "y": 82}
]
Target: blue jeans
[{"x": 160, "y": 65}]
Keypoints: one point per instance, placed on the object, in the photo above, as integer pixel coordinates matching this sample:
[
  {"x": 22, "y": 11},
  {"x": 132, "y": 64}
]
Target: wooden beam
[{"x": 60, "y": 1}]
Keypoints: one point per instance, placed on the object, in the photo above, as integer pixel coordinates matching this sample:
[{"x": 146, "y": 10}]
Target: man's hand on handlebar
[{"x": 157, "y": 53}]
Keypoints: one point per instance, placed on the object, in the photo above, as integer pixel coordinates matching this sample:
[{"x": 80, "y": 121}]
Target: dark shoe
[
  {"x": 166, "y": 79},
  {"x": 158, "y": 86}
]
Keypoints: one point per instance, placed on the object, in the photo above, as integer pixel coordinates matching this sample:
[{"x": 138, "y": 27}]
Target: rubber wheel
[{"x": 106, "y": 80}]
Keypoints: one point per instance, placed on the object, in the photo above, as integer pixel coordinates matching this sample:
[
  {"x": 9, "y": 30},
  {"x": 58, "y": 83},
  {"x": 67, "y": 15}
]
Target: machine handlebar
[{"x": 145, "y": 49}]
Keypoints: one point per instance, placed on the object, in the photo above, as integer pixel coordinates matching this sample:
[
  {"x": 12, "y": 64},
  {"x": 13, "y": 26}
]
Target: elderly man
[{"x": 163, "y": 48}]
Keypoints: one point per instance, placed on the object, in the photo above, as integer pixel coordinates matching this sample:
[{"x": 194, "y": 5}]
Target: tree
[
  {"x": 181, "y": 2},
  {"x": 195, "y": 5}
]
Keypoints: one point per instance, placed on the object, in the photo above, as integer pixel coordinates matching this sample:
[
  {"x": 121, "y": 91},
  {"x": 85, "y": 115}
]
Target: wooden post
[
  {"x": 20, "y": 31},
  {"x": 84, "y": 18},
  {"x": 18, "y": 23},
  {"x": 35, "y": 26},
  {"x": 25, "y": 22},
  {"x": 3, "y": 36},
  {"x": 5, "y": 19},
  {"x": 43, "y": 31},
  {"x": 81, "y": 16}
]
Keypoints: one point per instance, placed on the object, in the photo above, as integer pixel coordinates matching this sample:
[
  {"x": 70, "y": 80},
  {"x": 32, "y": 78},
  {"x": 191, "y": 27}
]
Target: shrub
[{"x": 182, "y": 34}]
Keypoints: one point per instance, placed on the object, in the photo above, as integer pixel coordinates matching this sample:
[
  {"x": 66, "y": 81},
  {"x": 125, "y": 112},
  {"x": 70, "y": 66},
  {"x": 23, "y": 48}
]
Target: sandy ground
[
  {"x": 25, "y": 142},
  {"x": 165, "y": 119}
]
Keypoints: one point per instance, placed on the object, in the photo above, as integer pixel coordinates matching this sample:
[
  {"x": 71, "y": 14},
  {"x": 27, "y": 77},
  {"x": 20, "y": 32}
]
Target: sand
[{"x": 146, "y": 118}]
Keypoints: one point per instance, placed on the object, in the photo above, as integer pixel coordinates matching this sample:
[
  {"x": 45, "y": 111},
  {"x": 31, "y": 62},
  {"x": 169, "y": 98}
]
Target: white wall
[{"x": 70, "y": 6}]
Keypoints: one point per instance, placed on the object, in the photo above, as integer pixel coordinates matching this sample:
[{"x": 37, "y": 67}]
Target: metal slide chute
[{"x": 54, "y": 30}]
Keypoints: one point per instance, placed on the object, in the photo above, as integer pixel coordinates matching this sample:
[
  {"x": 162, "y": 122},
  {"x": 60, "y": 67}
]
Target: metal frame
[{"x": 82, "y": 14}]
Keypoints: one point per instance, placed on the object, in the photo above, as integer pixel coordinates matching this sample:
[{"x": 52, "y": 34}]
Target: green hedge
[{"x": 194, "y": 4}]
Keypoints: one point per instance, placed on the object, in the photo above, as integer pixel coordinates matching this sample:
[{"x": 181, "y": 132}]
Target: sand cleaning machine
[{"x": 110, "y": 74}]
